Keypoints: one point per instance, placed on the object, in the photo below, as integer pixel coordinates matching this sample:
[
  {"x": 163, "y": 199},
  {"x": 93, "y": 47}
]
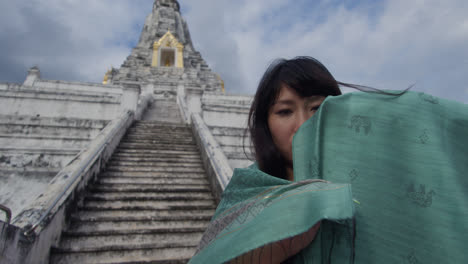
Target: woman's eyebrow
[
  {"x": 284, "y": 102},
  {"x": 314, "y": 99}
]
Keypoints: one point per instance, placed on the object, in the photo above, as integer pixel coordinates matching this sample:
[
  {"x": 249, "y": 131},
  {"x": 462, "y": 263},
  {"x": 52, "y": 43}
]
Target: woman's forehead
[{"x": 288, "y": 95}]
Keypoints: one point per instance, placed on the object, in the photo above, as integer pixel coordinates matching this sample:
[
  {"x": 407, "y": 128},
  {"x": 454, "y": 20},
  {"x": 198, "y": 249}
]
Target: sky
[{"x": 388, "y": 44}]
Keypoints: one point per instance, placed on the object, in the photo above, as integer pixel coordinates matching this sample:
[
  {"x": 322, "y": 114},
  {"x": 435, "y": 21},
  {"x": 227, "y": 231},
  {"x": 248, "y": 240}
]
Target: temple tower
[
  {"x": 165, "y": 64},
  {"x": 164, "y": 56}
]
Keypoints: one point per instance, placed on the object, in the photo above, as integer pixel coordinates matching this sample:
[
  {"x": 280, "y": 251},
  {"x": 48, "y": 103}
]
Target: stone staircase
[
  {"x": 165, "y": 110},
  {"x": 151, "y": 204}
]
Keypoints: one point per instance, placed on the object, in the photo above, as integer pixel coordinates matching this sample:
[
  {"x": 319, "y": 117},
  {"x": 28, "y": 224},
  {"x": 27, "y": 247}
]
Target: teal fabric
[
  {"x": 397, "y": 189},
  {"x": 257, "y": 209}
]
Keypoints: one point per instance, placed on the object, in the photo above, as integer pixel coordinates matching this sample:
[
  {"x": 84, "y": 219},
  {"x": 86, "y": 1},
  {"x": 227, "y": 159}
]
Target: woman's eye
[
  {"x": 315, "y": 108},
  {"x": 284, "y": 112}
]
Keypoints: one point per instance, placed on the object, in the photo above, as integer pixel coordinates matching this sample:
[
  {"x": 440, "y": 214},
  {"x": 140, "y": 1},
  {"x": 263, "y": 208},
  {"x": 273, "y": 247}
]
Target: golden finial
[
  {"x": 106, "y": 76},
  {"x": 222, "y": 83}
]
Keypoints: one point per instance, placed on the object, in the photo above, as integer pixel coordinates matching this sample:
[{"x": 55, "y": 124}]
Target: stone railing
[
  {"x": 215, "y": 162},
  {"x": 184, "y": 112},
  {"x": 33, "y": 232},
  {"x": 145, "y": 101}
]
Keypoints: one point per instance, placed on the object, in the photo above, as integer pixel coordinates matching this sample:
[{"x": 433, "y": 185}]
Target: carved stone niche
[
  {"x": 168, "y": 52},
  {"x": 167, "y": 58}
]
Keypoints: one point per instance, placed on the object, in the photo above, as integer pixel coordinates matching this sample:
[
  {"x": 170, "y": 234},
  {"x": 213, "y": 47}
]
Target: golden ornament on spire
[
  {"x": 106, "y": 77},
  {"x": 222, "y": 83}
]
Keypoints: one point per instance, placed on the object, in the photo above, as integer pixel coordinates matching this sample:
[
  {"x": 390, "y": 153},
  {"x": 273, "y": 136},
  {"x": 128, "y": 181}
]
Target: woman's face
[{"x": 287, "y": 114}]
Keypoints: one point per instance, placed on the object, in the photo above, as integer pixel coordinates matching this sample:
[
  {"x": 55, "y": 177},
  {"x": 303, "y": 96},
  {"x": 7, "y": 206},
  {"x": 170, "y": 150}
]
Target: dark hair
[{"x": 307, "y": 76}]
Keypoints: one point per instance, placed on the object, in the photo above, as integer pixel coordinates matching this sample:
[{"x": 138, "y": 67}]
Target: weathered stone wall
[
  {"x": 226, "y": 116},
  {"x": 43, "y": 125},
  {"x": 20, "y": 243},
  {"x": 34, "y": 149},
  {"x": 52, "y": 100}
]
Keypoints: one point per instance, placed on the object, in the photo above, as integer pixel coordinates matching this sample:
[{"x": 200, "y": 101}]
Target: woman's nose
[{"x": 302, "y": 117}]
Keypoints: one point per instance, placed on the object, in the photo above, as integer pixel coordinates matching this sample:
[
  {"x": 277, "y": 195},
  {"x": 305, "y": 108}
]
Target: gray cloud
[
  {"x": 387, "y": 44},
  {"x": 401, "y": 43},
  {"x": 68, "y": 40},
  {"x": 211, "y": 37}
]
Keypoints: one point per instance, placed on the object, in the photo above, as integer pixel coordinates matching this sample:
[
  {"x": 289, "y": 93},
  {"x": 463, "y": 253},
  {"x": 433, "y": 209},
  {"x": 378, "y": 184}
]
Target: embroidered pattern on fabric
[
  {"x": 411, "y": 258},
  {"x": 359, "y": 123},
  {"x": 420, "y": 197},
  {"x": 396, "y": 122},
  {"x": 353, "y": 174},
  {"x": 424, "y": 138},
  {"x": 236, "y": 218}
]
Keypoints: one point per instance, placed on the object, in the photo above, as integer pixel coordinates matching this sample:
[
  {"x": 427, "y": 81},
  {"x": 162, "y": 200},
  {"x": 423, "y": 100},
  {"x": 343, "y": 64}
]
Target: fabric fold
[{"x": 406, "y": 158}]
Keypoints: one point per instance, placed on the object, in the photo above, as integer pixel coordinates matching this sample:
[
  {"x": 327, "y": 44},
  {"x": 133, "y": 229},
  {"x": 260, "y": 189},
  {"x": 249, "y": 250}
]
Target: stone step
[
  {"x": 173, "y": 147},
  {"x": 119, "y": 215},
  {"x": 156, "y": 169},
  {"x": 155, "y": 132},
  {"x": 160, "y": 141},
  {"x": 148, "y": 197},
  {"x": 168, "y": 115},
  {"x": 180, "y": 163},
  {"x": 157, "y": 144},
  {"x": 149, "y": 204},
  {"x": 129, "y": 255},
  {"x": 162, "y": 174},
  {"x": 70, "y": 233},
  {"x": 164, "y": 153},
  {"x": 173, "y": 127},
  {"x": 158, "y": 181},
  {"x": 139, "y": 123},
  {"x": 127, "y": 158},
  {"x": 154, "y": 156},
  {"x": 77, "y": 243},
  {"x": 177, "y": 119},
  {"x": 149, "y": 188},
  {"x": 158, "y": 134},
  {"x": 196, "y": 205},
  {"x": 158, "y": 131},
  {"x": 130, "y": 226},
  {"x": 157, "y": 138}
]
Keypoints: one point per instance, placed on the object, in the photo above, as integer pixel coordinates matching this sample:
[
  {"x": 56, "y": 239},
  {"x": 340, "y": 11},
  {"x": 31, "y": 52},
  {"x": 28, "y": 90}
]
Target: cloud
[
  {"x": 207, "y": 27},
  {"x": 68, "y": 40},
  {"x": 386, "y": 44},
  {"x": 389, "y": 44}
]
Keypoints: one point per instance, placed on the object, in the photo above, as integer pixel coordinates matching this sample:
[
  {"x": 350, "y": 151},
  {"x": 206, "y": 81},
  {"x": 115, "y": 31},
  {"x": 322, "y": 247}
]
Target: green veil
[{"x": 386, "y": 175}]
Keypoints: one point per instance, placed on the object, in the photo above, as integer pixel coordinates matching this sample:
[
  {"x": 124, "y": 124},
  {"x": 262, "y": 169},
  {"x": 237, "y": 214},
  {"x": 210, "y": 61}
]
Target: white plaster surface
[
  {"x": 16, "y": 191},
  {"x": 34, "y": 148}
]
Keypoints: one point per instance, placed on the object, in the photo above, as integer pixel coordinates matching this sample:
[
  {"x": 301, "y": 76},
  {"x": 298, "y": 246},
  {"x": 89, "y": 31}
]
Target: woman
[
  {"x": 289, "y": 93},
  {"x": 391, "y": 149}
]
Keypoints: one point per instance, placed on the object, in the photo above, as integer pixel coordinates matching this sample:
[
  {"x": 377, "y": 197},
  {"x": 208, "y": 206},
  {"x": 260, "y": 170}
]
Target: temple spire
[
  {"x": 168, "y": 3},
  {"x": 165, "y": 48},
  {"x": 164, "y": 17}
]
